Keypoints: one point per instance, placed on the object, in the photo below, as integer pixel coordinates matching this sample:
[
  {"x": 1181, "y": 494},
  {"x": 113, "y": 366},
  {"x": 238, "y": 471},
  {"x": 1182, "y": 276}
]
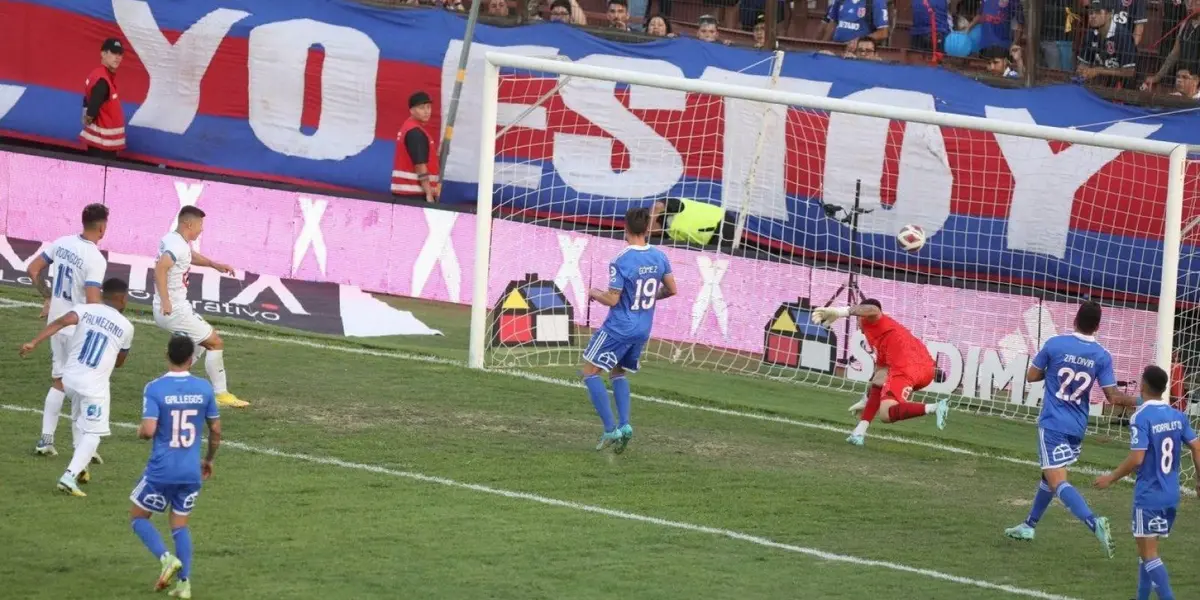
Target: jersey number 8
[
  {"x": 645, "y": 295},
  {"x": 1066, "y": 377},
  {"x": 183, "y": 430},
  {"x": 1168, "y": 455}
]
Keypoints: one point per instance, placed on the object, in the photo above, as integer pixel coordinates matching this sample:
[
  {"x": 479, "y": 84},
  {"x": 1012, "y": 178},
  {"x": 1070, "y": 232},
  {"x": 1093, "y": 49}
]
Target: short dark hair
[
  {"x": 1154, "y": 381},
  {"x": 873, "y": 302},
  {"x": 1087, "y": 320},
  {"x": 637, "y": 221},
  {"x": 561, "y": 4},
  {"x": 191, "y": 212},
  {"x": 180, "y": 350},
  {"x": 94, "y": 214},
  {"x": 621, "y": 2},
  {"x": 114, "y": 287}
]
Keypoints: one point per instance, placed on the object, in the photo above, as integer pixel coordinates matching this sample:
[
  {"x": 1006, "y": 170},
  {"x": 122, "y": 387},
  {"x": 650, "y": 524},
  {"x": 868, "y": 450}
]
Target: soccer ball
[{"x": 911, "y": 238}]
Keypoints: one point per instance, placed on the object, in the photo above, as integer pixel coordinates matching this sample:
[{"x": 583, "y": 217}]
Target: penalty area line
[{"x": 619, "y": 514}]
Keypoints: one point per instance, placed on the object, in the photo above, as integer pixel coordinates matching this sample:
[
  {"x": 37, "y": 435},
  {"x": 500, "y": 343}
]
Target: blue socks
[
  {"x": 150, "y": 537},
  {"x": 1144, "y": 584},
  {"x": 1156, "y": 572},
  {"x": 620, "y": 387},
  {"x": 1041, "y": 501},
  {"x": 599, "y": 395},
  {"x": 183, "y": 550},
  {"x": 1077, "y": 505}
]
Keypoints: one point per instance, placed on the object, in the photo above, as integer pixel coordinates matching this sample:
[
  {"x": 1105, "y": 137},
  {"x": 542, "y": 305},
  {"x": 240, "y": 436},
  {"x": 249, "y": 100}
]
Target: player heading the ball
[
  {"x": 1069, "y": 364},
  {"x": 172, "y": 309},
  {"x": 902, "y": 366},
  {"x": 77, "y": 270},
  {"x": 638, "y": 278},
  {"x": 100, "y": 343},
  {"x": 173, "y": 408},
  {"x": 1157, "y": 434}
]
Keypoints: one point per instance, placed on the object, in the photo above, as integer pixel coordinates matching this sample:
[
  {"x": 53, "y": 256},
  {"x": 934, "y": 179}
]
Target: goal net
[{"x": 794, "y": 200}]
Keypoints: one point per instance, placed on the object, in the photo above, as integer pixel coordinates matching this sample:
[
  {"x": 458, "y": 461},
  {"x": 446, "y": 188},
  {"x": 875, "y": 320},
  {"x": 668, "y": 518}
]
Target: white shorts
[
  {"x": 60, "y": 344},
  {"x": 184, "y": 321},
  {"x": 89, "y": 412}
]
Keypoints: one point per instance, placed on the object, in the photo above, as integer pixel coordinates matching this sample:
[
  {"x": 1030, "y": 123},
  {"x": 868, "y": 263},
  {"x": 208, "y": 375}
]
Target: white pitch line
[
  {"x": 396, "y": 354},
  {"x": 620, "y": 514}
]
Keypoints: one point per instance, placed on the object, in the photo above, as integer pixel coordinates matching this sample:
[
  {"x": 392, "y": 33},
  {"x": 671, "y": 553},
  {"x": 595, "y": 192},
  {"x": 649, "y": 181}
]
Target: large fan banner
[{"x": 315, "y": 91}]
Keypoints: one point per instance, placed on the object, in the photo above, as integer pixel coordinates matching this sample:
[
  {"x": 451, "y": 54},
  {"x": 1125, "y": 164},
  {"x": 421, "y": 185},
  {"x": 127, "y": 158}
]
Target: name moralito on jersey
[
  {"x": 180, "y": 251},
  {"x": 101, "y": 335},
  {"x": 1072, "y": 364},
  {"x": 74, "y": 264},
  {"x": 1162, "y": 432}
]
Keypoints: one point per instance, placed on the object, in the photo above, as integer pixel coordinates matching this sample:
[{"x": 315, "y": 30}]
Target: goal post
[{"x": 539, "y": 205}]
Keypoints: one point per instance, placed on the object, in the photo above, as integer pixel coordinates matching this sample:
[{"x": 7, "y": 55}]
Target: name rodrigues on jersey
[
  {"x": 100, "y": 322},
  {"x": 1082, "y": 361},
  {"x": 184, "y": 399},
  {"x": 1171, "y": 426},
  {"x": 64, "y": 255}
]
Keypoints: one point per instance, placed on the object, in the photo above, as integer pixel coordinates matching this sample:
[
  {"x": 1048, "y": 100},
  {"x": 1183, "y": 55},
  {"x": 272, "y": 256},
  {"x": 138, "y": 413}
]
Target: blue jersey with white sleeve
[
  {"x": 638, "y": 271},
  {"x": 181, "y": 403},
  {"x": 1162, "y": 432},
  {"x": 1072, "y": 363}
]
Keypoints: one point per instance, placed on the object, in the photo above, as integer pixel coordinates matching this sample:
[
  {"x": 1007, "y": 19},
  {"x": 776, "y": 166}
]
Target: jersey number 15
[{"x": 183, "y": 428}]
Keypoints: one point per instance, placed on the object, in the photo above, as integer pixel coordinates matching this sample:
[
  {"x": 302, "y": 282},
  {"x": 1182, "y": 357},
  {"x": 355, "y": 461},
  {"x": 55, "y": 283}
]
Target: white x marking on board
[
  {"x": 569, "y": 273},
  {"x": 711, "y": 272},
  {"x": 438, "y": 250},
  {"x": 310, "y": 235}
]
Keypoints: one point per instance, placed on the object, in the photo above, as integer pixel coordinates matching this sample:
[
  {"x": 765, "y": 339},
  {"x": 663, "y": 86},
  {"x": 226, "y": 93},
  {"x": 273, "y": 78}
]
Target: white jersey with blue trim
[
  {"x": 1072, "y": 363},
  {"x": 74, "y": 264},
  {"x": 102, "y": 334},
  {"x": 180, "y": 251},
  {"x": 1161, "y": 431}
]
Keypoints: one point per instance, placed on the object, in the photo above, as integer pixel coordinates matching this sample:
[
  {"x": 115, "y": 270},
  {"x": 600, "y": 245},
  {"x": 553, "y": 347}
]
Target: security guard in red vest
[
  {"x": 103, "y": 120},
  {"x": 415, "y": 170}
]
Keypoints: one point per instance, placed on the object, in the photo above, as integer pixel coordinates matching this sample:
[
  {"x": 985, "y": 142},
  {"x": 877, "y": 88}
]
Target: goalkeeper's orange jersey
[{"x": 895, "y": 346}]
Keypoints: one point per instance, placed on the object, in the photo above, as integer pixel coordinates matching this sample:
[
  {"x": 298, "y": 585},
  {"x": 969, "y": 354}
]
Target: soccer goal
[{"x": 795, "y": 202}]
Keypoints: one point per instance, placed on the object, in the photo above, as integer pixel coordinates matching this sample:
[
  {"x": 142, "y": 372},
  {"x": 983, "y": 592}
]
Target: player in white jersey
[
  {"x": 172, "y": 309},
  {"x": 100, "y": 344},
  {"x": 76, "y": 269}
]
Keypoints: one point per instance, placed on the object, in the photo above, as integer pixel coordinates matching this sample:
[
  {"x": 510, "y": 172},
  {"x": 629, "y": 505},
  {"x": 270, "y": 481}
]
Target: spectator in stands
[
  {"x": 1173, "y": 11},
  {"x": 1186, "y": 85},
  {"x": 931, "y": 23},
  {"x": 103, "y": 119},
  {"x": 1108, "y": 55},
  {"x": 862, "y": 48},
  {"x": 1058, "y": 25},
  {"x": 760, "y": 33},
  {"x": 708, "y": 31},
  {"x": 1130, "y": 15},
  {"x": 848, "y": 20},
  {"x": 996, "y": 20},
  {"x": 659, "y": 26},
  {"x": 454, "y": 6},
  {"x": 567, "y": 11},
  {"x": 1008, "y": 67},
  {"x": 497, "y": 8},
  {"x": 415, "y": 169},
  {"x": 1185, "y": 54},
  {"x": 618, "y": 15},
  {"x": 753, "y": 12}
]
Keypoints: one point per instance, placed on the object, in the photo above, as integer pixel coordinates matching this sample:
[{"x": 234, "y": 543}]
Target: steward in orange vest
[
  {"x": 103, "y": 120},
  {"x": 415, "y": 172}
]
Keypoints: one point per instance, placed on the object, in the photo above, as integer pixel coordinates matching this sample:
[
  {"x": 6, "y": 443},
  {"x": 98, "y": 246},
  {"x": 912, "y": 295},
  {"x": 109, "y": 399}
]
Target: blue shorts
[
  {"x": 155, "y": 497},
  {"x": 608, "y": 351},
  {"x": 1058, "y": 450},
  {"x": 1152, "y": 522}
]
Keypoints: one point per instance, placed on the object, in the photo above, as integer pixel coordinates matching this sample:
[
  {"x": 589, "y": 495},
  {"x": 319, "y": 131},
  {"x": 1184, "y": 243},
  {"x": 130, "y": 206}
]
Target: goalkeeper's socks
[
  {"x": 874, "y": 397},
  {"x": 150, "y": 537},
  {"x": 908, "y": 410},
  {"x": 1156, "y": 571},
  {"x": 1041, "y": 501},
  {"x": 1077, "y": 505},
  {"x": 620, "y": 387},
  {"x": 1145, "y": 586},
  {"x": 599, "y": 395},
  {"x": 183, "y": 550},
  {"x": 861, "y": 428}
]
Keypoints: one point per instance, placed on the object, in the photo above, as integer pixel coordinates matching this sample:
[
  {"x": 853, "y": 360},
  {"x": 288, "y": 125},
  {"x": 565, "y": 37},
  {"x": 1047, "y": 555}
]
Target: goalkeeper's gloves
[{"x": 828, "y": 315}]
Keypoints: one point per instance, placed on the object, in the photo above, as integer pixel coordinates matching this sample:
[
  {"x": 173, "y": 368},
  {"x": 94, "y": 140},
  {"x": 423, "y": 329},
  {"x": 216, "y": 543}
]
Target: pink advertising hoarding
[{"x": 724, "y": 301}]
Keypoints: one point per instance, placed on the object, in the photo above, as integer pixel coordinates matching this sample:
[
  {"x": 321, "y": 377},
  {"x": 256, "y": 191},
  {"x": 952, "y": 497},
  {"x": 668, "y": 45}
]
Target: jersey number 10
[
  {"x": 645, "y": 294},
  {"x": 183, "y": 428},
  {"x": 93, "y": 348}
]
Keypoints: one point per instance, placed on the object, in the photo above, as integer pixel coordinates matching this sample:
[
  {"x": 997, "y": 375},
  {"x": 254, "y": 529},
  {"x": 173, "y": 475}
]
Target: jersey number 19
[{"x": 645, "y": 294}]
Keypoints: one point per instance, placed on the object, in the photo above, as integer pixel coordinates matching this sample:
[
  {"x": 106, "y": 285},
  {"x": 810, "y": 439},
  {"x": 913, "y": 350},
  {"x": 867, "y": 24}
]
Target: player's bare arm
[
  {"x": 160, "y": 281},
  {"x": 1195, "y": 446},
  {"x": 147, "y": 428},
  {"x": 214, "y": 442},
  {"x": 1116, "y": 397},
  {"x": 829, "y": 315},
  {"x": 609, "y": 297},
  {"x": 93, "y": 294},
  {"x": 203, "y": 261},
  {"x": 67, "y": 320},
  {"x": 870, "y": 312},
  {"x": 1034, "y": 375},
  {"x": 668, "y": 288},
  {"x": 1130, "y": 464},
  {"x": 37, "y": 273},
  {"x": 120, "y": 359}
]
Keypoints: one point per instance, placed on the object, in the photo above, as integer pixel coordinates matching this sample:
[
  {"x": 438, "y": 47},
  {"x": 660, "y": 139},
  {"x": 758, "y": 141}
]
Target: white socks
[
  {"x": 50, "y": 412},
  {"x": 930, "y": 409},
  {"x": 214, "y": 365},
  {"x": 85, "y": 447},
  {"x": 861, "y": 428}
]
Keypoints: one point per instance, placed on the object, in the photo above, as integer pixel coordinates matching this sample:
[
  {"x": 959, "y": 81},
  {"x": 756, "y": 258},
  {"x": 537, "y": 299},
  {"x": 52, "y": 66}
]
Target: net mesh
[{"x": 1018, "y": 232}]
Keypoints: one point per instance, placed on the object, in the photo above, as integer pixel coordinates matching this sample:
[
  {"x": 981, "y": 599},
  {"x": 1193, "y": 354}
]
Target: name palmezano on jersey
[{"x": 317, "y": 307}]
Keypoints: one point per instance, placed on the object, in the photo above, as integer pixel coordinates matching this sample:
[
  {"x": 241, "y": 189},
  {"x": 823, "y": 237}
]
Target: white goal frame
[{"x": 1177, "y": 155}]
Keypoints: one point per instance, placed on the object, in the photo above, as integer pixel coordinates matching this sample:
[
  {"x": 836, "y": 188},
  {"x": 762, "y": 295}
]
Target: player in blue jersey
[
  {"x": 638, "y": 278},
  {"x": 1069, "y": 364},
  {"x": 173, "y": 408},
  {"x": 1157, "y": 433}
]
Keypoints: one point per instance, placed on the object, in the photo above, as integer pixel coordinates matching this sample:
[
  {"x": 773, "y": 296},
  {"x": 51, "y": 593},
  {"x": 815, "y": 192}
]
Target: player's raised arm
[
  {"x": 829, "y": 315},
  {"x": 67, "y": 320},
  {"x": 203, "y": 261}
]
